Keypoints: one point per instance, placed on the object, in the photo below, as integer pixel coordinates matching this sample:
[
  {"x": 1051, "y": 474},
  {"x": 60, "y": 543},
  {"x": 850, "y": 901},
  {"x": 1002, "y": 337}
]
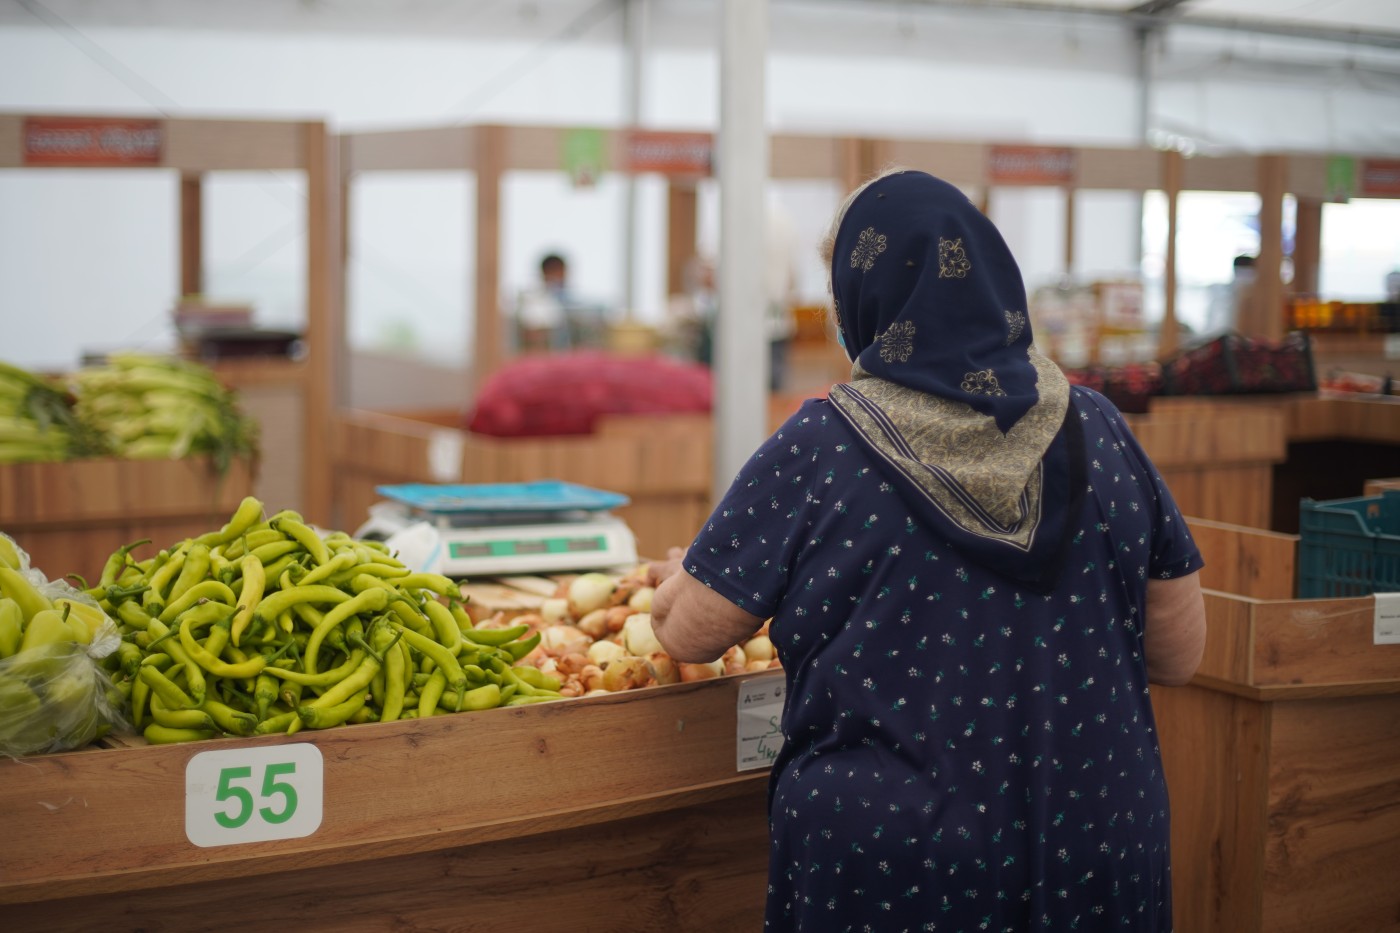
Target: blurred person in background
[
  {"x": 973, "y": 573},
  {"x": 551, "y": 316}
]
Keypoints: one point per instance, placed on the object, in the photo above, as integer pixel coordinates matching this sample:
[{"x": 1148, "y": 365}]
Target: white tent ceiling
[{"x": 1357, "y": 20}]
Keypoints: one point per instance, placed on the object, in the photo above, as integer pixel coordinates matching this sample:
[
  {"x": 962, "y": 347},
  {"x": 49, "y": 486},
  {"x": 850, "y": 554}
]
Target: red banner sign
[
  {"x": 1379, "y": 177},
  {"x": 92, "y": 141},
  {"x": 669, "y": 153},
  {"x": 1030, "y": 165}
]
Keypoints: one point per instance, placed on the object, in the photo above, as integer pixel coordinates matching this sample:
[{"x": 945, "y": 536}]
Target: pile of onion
[{"x": 596, "y": 637}]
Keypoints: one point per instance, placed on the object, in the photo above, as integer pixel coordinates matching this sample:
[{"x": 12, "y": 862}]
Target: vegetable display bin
[{"x": 1349, "y": 547}]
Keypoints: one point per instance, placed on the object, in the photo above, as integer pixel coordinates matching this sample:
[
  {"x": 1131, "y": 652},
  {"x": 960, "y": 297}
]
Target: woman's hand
[{"x": 661, "y": 570}]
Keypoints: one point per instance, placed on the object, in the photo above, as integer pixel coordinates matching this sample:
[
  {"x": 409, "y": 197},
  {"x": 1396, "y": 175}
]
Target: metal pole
[{"x": 741, "y": 338}]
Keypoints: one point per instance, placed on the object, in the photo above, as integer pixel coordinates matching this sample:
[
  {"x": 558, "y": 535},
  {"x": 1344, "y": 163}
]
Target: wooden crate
[
  {"x": 1217, "y": 460},
  {"x": 1282, "y": 757},
  {"x": 71, "y": 516},
  {"x": 619, "y": 812},
  {"x": 662, "y": 463}
]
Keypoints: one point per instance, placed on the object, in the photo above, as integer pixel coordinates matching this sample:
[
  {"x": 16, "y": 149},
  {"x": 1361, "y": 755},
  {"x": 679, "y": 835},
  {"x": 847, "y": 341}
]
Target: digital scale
[{"x": 505, "y": 528}]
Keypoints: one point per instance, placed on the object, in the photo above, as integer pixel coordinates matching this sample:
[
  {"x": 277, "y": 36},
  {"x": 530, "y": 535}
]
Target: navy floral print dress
[{"x": 960, "y": 754}]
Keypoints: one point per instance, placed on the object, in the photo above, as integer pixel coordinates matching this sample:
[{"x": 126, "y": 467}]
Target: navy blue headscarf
[{"x": 947, "y": 388}]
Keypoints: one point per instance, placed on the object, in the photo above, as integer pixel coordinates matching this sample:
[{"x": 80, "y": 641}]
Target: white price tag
[
  {"x": 1387, "y": 619},
  {"x": 760, "y": 722},
  {"x": 445, "y": 449},
  {"x": 1392, "y": 346},
  {"x": 253, "y": 794}
]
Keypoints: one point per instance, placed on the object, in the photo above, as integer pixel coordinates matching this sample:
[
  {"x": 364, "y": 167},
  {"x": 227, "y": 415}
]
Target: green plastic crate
[{"x": 1349, "y": 547}]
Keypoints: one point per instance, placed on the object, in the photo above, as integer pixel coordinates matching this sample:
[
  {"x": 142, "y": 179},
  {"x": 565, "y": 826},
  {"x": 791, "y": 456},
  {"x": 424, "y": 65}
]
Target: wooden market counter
[
  {"x": 70, "y": 516},
  {"x": 1282, "y": 755},
  {"x": 1332, "y": 445},
  {"x": 662, "y": 463},
  {"x": 607, "y": 813}
]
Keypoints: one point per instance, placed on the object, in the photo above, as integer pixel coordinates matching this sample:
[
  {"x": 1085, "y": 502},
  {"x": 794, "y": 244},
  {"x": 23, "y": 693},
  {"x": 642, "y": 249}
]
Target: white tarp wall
[{"x": 88, "y": 260}]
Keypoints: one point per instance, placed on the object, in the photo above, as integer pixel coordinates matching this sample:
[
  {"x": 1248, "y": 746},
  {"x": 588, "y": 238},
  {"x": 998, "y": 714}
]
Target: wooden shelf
[
  {"x": 104, "y": 827},
  {"x": 1281, "y": 755},
  {"x": 71, "y": 516}
]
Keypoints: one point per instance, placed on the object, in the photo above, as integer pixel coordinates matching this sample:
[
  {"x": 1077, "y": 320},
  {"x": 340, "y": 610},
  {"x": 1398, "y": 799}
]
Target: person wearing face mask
[{"x": 973, "y": 573}]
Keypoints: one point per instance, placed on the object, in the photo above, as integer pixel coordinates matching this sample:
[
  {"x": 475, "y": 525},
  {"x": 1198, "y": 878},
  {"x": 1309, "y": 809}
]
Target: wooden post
[
  {"x": 1069, "y": 232},
  {"x": 1307, "y": 246},
  {"x": 852, "y": 169},
  {"x": 1267, "y": 306},
  {"x": 1171, "y": 186},
  {"x": 324, "y": 334},
  {"x": 191, "y": 234},
  {"x": 681, "y": 211},
  {"x": 488, "y": 332}
]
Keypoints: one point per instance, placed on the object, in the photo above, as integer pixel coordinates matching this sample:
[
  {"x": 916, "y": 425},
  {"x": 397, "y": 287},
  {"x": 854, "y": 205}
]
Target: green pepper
[
  {"x": 323, "y": 717},
  {"x": 496, "y": 637}
]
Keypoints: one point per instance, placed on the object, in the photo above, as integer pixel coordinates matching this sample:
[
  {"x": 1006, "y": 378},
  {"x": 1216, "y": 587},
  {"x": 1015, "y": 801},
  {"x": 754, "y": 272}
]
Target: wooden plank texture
[
  {"x": 390, "y": 789},
  {"x": 1333, "y": 840},
  {"x": 1321, "y": 641},
  {"x": 71, "y": 516},
  {"x": 1229, "y": 637},
  {"x": 1246, "y": 561},
  {"x": 694, "y": 869},
  {"x": 1214, "y": 754}
]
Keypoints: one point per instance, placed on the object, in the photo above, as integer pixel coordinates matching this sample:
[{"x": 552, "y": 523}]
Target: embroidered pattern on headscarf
[
  {"x": 982, "y": 382},
  {"x": 836, "y": 310},
  {"x": 989, "y": 483},
  {"x": 897, "y": 343},
  {"x": 868, "y": 246},
  {"x": 952, "y": 259},
  {"x": 1015, "y": 324}
]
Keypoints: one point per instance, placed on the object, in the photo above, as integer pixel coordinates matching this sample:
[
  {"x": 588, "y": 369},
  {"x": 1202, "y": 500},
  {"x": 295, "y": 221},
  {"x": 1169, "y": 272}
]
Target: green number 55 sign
[{"x": 253, "y": 794}]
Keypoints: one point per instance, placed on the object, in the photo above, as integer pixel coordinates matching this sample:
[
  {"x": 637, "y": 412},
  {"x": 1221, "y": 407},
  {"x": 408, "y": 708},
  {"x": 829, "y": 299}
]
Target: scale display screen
[{"x": 588, "y": 544}]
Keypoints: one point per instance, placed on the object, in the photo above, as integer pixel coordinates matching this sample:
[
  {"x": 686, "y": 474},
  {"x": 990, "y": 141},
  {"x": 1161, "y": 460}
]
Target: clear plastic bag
[{"x": 54, "y": 698}]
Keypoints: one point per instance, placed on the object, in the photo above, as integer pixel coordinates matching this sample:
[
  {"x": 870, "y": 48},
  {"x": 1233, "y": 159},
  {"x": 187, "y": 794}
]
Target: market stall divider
[
  {"x": 54, "y": 507},
  {"x": 1281, "y": 755}
]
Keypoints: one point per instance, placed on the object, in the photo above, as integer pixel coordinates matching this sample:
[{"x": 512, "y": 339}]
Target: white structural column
[
  {"x": 637, "y": 14},
  {"x": 741, "y": 338}
]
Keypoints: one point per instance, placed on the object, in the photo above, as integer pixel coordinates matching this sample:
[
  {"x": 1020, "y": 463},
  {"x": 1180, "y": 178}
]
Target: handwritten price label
[
  {"x": 253, "y": 794},
  {"x": 760, "y": 717}
]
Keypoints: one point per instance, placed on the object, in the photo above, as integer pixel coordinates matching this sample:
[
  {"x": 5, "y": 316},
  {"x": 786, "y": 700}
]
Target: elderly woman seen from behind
[{"x": 973, "y": 572}]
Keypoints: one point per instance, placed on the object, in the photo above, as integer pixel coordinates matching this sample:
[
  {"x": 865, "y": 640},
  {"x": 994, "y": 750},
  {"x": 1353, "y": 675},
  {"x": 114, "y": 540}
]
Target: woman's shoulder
[
  {"x": 815, "y": 421},
  {"x": 1091, "y": 405}
]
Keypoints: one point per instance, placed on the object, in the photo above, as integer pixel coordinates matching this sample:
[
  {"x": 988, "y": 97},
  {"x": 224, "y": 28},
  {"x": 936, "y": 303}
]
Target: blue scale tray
[{"x": 543, "y": 496}]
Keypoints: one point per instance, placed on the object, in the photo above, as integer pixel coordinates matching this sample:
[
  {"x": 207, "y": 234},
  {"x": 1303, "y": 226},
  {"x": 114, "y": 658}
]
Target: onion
[
  {"x": 572, "y": 664},
  {"x": 638, "y": 636},
  {"x": 595, "y": 624},
  {"x": 734, "y": 660},
  {"x": 693, "y": 672},
  {"x": 759, "y": 648},
  {"x": 554, "y": 611},
  {"x": 590, "y": 591},
  {"x": 641, "y": 600},
  {"x": 754, "y": 666},
  {"x": 616, "y": 616},
  {"x": 601, "y": 652},
  {"x": 663, "y": 669},
  {"x": 591, "y": 677},
  {"x": 626, "y": 673},
  {"x": 563, "y": 639}
]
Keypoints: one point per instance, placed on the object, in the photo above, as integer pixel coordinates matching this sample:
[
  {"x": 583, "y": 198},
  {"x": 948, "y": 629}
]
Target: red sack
[{"x": 565, "y": 393}]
